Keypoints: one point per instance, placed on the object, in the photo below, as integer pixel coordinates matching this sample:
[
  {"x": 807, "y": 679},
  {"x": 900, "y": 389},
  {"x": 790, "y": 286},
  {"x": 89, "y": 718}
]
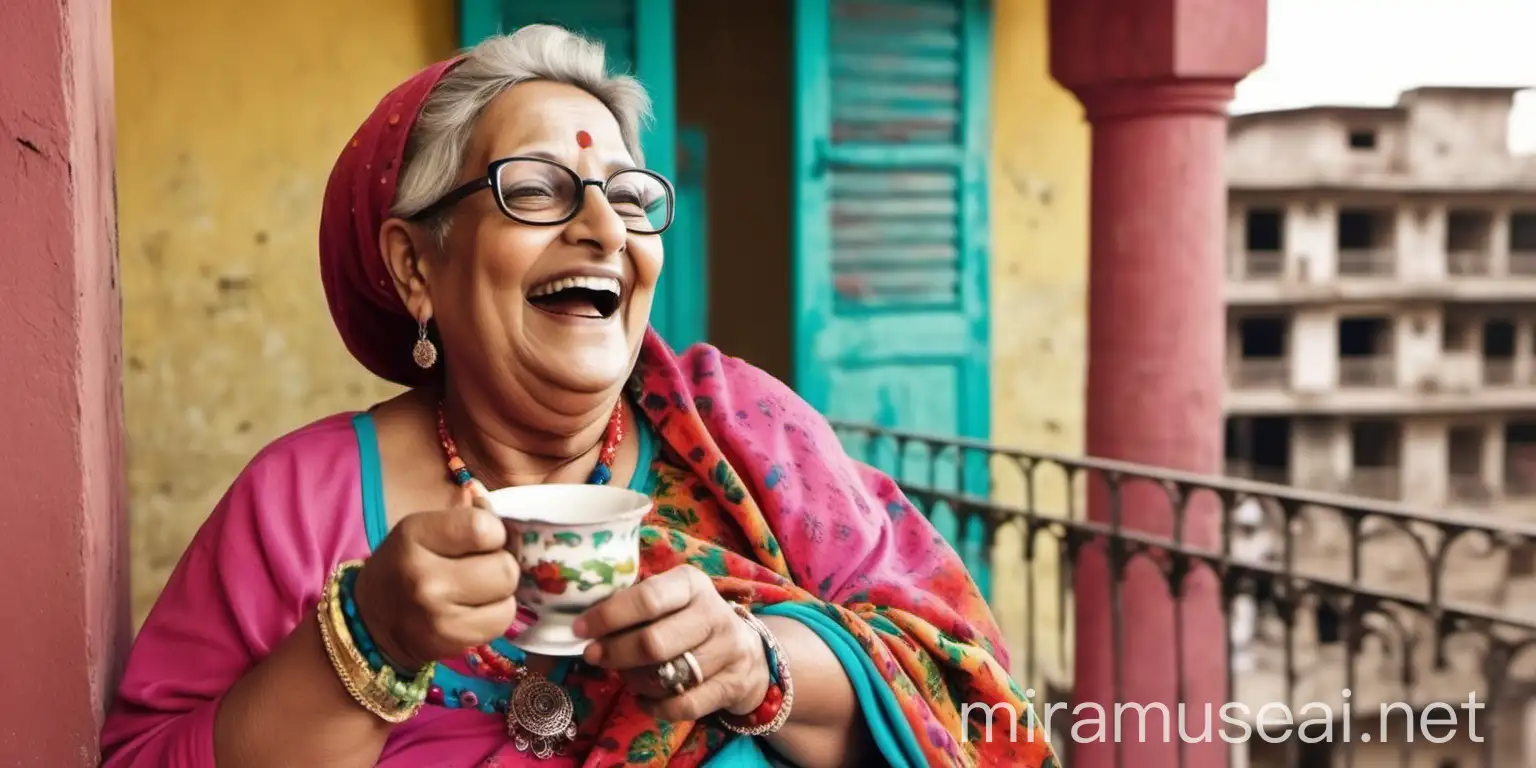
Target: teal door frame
[
  {"x": 680, "y": 311},
  {"x": 838, "y": 338}
]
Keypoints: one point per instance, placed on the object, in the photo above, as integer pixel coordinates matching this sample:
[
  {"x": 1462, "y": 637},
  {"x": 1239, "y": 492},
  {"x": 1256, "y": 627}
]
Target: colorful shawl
[{"x": 835, "y": 534}]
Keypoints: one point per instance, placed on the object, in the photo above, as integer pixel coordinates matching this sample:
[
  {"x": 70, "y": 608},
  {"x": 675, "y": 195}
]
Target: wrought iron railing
[{"x": 1374, "y": 610}]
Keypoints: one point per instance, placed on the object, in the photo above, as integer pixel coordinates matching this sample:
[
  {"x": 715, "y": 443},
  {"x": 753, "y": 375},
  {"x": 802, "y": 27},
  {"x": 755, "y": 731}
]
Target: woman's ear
[{"x": 403, "y": 246}]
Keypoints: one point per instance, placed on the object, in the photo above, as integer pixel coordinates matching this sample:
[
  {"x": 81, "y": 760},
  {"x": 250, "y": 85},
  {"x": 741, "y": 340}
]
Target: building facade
[
  {"x": 1381, "y": 300},
  {"x": 1381, "y": 295}
]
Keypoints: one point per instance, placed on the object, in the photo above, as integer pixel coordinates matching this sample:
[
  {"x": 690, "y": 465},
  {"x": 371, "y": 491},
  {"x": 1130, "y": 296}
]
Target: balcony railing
[
  {"x": 1407, "y": 611},
  {"x": 1367, "y": 371},
  {"x": 1468, "y": 263},
  {"x": 1498, "y": 372},
  {"x": 1375, "y": 482},
  {"x": 1522, "y": 263},
  {"x": 1265, "y": 474},
  {"x": 1368, "y": 262},
  {"x": 1262, "y": 372},
  {"x": 1469, "y": 488},
  {"x": 1262, "y": 265}
]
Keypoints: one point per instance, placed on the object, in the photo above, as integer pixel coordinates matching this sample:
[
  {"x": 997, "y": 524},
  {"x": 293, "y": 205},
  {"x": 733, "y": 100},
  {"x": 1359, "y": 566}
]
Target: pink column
[
  {"x": 62, "y": 536},
  {"x": 1155, "y": 78}
]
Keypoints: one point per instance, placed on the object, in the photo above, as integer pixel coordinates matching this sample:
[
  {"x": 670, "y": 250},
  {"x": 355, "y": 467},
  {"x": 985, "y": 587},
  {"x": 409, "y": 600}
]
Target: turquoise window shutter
[
  {"x": 638, "y": 38},
  {"x": 891, "y": 262}
]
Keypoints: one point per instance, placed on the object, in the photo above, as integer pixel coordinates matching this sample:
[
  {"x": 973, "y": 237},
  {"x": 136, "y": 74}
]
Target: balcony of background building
[
  {"x": 1366, "y": 240},
  {"x": 1500, "y": 367},
  {"x": 1376, "y": 459},
  {"x": 1520, "y": 459},
  {"x": 1366, "y": 356},
  {"x": 1522, "y": 243},
  {"x": 1247, "y": 470},
  {"x": 1469, "y": 243},
  {"x": 1487, "y": 253},
  {"x": 1262, "y": 373},
  {"x": 1367, "y": 371},
  {"x": 1261, "y": 254},
  {"x": 1317, "y": 594},
  {"x": 1257, "y": 349},
  {"x": 1466, "y": 481},
  {"x": 1374, "y": 482}
]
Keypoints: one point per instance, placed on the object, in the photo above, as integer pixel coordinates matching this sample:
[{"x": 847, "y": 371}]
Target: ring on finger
[{"x": 680, "y": 674}]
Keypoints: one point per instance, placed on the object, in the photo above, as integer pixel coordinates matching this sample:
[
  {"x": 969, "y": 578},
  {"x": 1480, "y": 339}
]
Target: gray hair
[{"x": 435, "y": 150}]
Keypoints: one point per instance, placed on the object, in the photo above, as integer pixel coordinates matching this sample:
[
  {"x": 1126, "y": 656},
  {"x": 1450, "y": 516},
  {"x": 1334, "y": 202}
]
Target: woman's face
[{"x": 554, "y": 312}]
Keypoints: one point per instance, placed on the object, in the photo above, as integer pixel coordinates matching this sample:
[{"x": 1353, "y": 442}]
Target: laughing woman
[{"x": 491, "y": 240}]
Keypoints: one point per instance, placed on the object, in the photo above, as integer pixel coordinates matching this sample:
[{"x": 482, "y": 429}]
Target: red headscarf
[{"x": 368, "y": 312}]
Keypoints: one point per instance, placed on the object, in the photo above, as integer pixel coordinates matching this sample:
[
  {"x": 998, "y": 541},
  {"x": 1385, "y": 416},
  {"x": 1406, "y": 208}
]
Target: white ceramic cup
[{"x": 576, "y": 545}]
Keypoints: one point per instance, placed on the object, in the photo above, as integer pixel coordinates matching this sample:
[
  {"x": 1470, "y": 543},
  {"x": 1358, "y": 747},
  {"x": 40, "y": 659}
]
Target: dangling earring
[{"x": 425, "y": 352}]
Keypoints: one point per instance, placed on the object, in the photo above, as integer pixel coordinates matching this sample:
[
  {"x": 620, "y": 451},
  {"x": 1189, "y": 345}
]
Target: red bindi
[{"x": 583, "y": 139}]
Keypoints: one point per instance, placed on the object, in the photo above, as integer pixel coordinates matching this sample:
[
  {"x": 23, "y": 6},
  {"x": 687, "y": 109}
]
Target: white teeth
[{"x": 566, "y": 283}]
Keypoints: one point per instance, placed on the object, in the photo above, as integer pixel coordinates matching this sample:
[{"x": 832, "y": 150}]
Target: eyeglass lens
[{"x": 540, "y": 193}]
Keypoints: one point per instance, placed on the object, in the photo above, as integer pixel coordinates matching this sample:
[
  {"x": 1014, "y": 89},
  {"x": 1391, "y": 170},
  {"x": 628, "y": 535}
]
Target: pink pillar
[
  {"x": 1155, "y": 78},
  {"x": 62, "y": 533}
]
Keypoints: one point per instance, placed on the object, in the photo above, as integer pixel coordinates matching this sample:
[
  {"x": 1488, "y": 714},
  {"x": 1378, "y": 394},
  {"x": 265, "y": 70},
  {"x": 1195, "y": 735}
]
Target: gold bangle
[{"x": 367, "y": 688}]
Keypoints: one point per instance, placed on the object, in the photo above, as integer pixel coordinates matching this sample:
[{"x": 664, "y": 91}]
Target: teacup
[{"x": 576, "y": 545}]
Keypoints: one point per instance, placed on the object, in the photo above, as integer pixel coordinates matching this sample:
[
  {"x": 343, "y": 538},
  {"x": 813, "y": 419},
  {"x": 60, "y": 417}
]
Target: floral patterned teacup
[{"x": 576, "y": 545}]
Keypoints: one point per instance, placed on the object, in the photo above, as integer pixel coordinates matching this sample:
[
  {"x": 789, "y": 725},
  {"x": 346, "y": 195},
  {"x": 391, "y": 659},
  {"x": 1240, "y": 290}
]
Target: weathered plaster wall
[
  {"x": 61, "y": 553},
  {"x": 229, "y": 116},
  {"x": 1039, "y": 212}
]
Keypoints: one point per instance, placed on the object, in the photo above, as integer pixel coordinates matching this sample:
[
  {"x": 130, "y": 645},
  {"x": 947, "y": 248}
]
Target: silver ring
[{"x": 680, "y": 674}]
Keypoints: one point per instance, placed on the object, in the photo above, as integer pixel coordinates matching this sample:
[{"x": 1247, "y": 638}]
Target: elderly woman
[{"x": 491, "y": 239}]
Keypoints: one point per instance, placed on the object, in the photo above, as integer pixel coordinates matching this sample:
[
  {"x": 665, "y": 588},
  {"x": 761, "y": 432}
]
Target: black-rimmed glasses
[{"x": 540, "y": 192}]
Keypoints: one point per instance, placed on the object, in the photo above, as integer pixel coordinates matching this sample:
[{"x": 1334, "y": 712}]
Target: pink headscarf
[{"x": 372, "y": 319}]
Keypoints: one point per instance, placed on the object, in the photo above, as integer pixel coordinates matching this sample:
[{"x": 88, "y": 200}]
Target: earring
[{"x": 425, "y": 352}]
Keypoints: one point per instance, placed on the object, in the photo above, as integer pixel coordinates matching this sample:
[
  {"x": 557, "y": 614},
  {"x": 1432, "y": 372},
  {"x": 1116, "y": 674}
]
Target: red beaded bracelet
[{"x": 770, "y": 715}]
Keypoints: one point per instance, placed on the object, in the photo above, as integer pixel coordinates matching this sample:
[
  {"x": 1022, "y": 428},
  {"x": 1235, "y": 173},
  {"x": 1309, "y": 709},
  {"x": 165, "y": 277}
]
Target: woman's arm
[
  {"x": 229, "y": 668},
  {"x": 292, "y": 709},
  {"x": 825, "y": 725}
]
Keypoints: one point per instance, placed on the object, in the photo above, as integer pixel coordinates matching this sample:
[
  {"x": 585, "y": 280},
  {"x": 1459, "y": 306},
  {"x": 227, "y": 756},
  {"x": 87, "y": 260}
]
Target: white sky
[{"x": 1366, "y": 51}]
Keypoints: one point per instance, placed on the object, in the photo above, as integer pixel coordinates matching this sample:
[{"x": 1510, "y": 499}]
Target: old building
[
  {"x": 1382, "y": 296},
  {"x": 1381, "y": 293}
]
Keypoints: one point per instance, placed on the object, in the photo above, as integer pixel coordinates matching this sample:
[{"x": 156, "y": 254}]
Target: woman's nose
[{"x": 598, "y": 224}]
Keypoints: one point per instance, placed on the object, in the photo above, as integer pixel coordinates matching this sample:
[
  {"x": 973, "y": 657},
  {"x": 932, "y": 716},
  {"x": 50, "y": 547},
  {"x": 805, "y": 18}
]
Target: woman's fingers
[
  {"x": 456, "y": 532},
  {"x": 647, "y": 601},
  {"x": 712, "y": 695},
  {"x": 479, "y": 579},
  {"x": 472, "y": 626},
  {"x": 654, "y": 643}
]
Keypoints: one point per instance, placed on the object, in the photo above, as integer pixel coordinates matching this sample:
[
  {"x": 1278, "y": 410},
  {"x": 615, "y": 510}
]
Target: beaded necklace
[{"x": 540, "y": 715}]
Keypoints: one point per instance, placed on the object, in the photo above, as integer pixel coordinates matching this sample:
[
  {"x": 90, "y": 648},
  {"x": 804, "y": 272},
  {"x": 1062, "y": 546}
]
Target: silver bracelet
[{"x": 778, "y": 663}]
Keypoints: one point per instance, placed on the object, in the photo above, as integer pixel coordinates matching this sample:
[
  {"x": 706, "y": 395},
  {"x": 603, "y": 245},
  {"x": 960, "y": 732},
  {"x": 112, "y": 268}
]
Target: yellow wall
[
  {"x": 1039, "y": 212},
  {"x": 229, "y": 116}
]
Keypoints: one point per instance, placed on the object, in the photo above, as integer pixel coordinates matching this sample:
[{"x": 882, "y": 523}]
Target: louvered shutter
[
  {"x": 638, "y": 38},
  {"x": 891, "y": 231}
]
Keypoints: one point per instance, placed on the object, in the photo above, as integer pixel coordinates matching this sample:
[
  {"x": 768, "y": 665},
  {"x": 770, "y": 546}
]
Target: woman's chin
[{"x": 585, "y": 369}]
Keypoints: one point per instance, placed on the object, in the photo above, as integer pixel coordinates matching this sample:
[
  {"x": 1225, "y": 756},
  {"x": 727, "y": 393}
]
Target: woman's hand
[
  {"x": 440, "y": 583},
  {"x": 660, "y": 618}
]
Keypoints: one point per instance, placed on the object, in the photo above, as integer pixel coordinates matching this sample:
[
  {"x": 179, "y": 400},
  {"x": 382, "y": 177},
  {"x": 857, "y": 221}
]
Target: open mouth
[{"x": 585, "y": 296}]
